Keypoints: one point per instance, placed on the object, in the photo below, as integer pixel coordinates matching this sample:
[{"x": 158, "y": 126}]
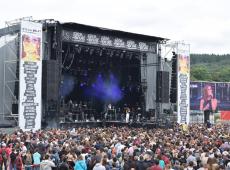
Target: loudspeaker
[
  {"x": 173, "y": 87},
  {"x": 14, "y": 108},
  {"x": 162, "y": 87},
  {"x": 50, "y": 80}
]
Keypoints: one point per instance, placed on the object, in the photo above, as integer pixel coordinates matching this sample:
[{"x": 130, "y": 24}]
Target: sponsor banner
[
  {"x": 183, "y": 83},
  {"x": 30, "y": 76},
  {"x": 109, "y": 41}
]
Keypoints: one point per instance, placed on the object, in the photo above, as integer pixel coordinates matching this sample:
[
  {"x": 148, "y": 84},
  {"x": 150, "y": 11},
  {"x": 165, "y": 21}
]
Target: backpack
[
  {"x": 12, "y": 157},
  {"x": 4, "y": 154},
  {"x": 28, "y": 160}
]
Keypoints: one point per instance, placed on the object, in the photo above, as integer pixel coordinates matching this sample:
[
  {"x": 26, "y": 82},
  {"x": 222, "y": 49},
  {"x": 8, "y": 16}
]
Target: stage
[{"x": 87, "y": 73}]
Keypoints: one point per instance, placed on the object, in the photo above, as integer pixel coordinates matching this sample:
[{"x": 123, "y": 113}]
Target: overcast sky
[{"x": 204, "y": 24}]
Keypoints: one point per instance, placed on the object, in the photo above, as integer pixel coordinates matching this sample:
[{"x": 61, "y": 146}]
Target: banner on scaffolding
[
  {"x": 30, "y": 76},
  {"x": 183, "y": 83}
]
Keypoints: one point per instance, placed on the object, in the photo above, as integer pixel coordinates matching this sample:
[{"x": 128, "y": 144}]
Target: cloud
[{"x": 203, "y": 24}]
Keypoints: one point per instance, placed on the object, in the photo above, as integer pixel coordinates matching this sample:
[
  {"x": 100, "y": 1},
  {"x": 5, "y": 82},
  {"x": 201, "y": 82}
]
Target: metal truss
[{"x": 11, "y": 77}]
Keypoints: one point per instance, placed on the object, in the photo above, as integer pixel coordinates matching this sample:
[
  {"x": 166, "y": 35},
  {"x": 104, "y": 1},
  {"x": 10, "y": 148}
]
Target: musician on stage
[
  {"x": 108, "y": 111},
  {"x": 127, "y": 114}
]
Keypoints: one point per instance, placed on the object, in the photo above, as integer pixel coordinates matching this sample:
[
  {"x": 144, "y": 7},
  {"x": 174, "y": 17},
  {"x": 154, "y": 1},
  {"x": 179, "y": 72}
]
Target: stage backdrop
[
  {"x": 183, "y": 83},
  {"x": 221, "y": 92},
  {"x": 30, "y": 76}
]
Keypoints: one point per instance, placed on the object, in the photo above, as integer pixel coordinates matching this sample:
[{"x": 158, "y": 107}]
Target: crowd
[{"x": 118, "y": 148}]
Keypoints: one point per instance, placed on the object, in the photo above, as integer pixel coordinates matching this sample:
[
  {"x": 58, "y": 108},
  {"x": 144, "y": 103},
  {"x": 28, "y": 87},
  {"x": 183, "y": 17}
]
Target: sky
[{"x": 204, "y": 24}]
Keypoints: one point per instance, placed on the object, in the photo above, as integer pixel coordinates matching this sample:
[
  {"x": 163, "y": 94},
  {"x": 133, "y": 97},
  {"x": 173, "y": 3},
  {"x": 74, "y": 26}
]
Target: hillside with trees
[{"x": 210, "y": 67}]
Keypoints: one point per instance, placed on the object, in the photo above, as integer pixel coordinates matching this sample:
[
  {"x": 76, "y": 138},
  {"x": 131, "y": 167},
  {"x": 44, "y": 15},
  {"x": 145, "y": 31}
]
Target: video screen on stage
[{"x": 209, "y": 96}]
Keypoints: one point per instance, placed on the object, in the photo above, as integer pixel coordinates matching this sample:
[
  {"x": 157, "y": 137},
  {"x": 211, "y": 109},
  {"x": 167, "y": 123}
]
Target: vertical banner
[
  {"x": 183, "y": 83},
  {"x": 30, "y": 76}
]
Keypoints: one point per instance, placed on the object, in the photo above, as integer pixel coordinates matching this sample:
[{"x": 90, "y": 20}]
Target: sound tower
[
  {"x": 50, "y": 80},
  {"x": 162, "y": 95},
  {"x": 173, "y": 87}
]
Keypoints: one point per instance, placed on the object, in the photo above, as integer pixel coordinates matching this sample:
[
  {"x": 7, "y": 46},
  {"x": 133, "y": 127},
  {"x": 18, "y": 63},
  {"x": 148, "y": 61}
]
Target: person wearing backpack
[
  {"x": 13, "y": 160},
  {"x": 28, "y": 160}
]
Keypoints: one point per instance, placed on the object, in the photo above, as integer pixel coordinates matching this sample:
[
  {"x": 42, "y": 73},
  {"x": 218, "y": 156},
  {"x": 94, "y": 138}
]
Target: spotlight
[{"x": 82, "y": 84}]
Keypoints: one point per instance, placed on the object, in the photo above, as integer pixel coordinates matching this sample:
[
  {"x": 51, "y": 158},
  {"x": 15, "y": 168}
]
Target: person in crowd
[
  {"x": 98, "y": 165},
  {"x": 13, "y": 156},
  {"x": 156, "y": 166},
  {"x": 64, "y": 165},
  {"x": 28, "y": 160},
  {"x": 37, "y": 160},
  {"x": 18, "y": 161},
  {"x": 47, "y": 163},
  {"x": 4, "y": 156},
  {"x": 80, "y": 164}
]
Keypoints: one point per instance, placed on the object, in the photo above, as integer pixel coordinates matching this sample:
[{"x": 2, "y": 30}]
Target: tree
[{"x": 200, "y": 73}]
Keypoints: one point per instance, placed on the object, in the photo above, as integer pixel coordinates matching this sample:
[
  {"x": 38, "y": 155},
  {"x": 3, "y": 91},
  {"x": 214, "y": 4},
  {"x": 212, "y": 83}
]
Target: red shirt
[
  {"x": 7, "y": 150},
  {"x": 156, "y": 167},
  {"x": 165, "y": 159}
]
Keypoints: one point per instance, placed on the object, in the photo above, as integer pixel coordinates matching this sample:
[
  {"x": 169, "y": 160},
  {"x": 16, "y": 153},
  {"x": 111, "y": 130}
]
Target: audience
[{"x": 118, "y": 148}]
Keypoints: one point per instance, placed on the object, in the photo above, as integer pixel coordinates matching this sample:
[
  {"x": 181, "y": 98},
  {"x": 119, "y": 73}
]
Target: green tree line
[{"x": 210, "y": 67}]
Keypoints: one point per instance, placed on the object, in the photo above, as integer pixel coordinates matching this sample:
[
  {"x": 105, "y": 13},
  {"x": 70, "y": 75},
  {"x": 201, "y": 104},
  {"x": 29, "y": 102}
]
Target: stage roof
[
  {"x": 92, "y": 29},
  {"x": 117, "y": 33}
]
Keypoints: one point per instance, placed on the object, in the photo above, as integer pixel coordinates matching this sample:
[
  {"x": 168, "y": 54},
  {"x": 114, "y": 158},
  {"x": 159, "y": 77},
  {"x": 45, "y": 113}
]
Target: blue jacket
[{"x": 80, "y": 165}]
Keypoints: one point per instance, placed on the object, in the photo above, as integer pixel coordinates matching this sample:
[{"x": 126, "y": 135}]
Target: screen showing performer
[{"x": 208, "y": 102}]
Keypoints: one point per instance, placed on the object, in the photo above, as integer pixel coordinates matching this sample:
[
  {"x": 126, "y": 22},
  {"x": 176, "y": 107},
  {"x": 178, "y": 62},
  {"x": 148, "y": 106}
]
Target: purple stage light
[
  {"x": 67, "y": 85},
  {"x": 106, "y": 90}
]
